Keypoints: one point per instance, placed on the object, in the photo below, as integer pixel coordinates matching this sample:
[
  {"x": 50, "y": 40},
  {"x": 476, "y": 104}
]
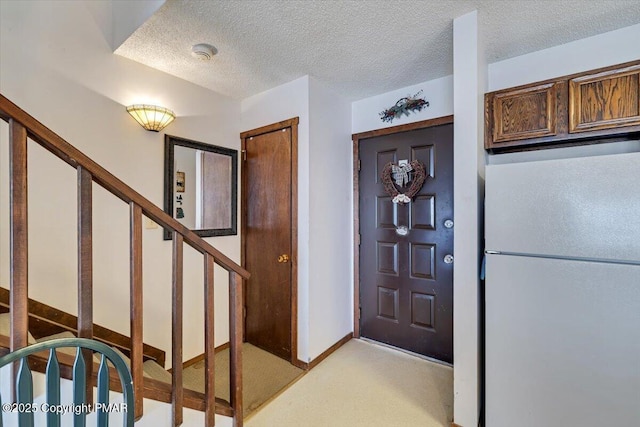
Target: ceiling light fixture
[
  {"x": 151, "y": 117},
  {"x": 203, "y": 51}
]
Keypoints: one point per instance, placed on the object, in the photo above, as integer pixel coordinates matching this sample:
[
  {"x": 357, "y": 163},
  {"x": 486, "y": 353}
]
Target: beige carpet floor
[
  {"x": 364, "y": 384},
  {"x": 264, "y": 375}
]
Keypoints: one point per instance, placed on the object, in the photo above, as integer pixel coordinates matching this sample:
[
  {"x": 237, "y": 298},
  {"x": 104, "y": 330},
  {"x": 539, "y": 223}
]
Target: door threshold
[{"x": 410, "y": 353}]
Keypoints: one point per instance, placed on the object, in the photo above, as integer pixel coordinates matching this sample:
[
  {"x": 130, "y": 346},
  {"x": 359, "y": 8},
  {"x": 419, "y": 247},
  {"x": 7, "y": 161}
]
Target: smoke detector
[{"x": 203, "y": 51}]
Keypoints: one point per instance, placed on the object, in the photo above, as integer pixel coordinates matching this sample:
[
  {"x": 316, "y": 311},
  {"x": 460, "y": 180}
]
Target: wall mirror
[{"x": 201, "y": 186}]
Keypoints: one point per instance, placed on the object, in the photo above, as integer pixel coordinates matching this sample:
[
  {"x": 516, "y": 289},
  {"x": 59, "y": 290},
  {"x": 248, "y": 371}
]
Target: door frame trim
[
  {"x": 293, "y": 124},
  {"x": 357, "y": 138}
]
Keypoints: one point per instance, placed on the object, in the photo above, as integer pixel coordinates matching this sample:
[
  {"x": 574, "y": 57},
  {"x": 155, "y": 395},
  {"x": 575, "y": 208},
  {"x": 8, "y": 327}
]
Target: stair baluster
[
  {"x": 136, "y": 314},
  {"x": 85, "y": 269},
  {"x": 209, "y": 343},
  {"x": 177, "y": 392},
  {"x": 235, "y": 341},
  {"x": 19, "y": 239}
]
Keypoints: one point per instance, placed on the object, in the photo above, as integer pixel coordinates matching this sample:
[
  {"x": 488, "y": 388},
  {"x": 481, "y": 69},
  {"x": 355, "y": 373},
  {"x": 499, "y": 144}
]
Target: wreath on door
[{"x": 412, "y": 174}]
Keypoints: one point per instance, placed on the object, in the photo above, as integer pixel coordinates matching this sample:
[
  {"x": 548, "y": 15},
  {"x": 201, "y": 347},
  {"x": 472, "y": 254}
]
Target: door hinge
[
  {"x": 359, "y": 164},
  {"x": 359, "y": 237},
  {"x": 244, "y": 312},
  {"x": 244, "y": 155}
]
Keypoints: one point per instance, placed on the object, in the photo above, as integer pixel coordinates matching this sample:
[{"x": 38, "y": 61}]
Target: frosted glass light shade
[{"x": 151, "y": 117}]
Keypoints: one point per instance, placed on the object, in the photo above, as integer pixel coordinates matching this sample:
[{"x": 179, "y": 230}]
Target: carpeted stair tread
[{"x": 152, "y": 370}]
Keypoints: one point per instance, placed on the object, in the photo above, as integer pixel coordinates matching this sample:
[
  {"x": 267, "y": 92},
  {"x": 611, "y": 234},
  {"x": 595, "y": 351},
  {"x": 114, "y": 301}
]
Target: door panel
[
  {"x": 267, "y": 239},
  {"x": 406, "y": 289}
]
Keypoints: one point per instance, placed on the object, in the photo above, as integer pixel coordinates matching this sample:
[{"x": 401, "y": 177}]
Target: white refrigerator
[{"x": 562, "y": 293}]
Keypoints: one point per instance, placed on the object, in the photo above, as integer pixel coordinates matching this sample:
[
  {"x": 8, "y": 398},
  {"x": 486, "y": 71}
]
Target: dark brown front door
[
  {"x": 267, "y": 231},
  {"x": 406, "y": 275}
]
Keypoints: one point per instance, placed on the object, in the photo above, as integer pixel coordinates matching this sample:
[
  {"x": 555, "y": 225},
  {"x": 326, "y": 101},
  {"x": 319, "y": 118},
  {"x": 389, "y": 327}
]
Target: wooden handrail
[
  {"x": 67, "y": 152},
  {"x": 23, "y": 126}
]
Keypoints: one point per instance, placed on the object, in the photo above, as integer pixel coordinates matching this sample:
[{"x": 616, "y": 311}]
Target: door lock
[
  {"x": 283, "y": 258},
  {"x": 448, "y": 259}
]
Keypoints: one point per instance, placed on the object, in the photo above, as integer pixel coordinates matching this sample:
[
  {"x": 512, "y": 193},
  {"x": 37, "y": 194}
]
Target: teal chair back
[{"x": 25, "y": 407}]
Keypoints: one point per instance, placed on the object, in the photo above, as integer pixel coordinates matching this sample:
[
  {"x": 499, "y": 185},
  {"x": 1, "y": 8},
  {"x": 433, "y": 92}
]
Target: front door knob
[{"x": 283, "y": 258}]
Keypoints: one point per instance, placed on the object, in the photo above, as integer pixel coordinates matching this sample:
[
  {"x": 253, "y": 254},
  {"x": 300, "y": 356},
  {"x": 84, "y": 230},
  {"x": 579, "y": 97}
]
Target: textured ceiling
[{"x": 362, "y": 48}]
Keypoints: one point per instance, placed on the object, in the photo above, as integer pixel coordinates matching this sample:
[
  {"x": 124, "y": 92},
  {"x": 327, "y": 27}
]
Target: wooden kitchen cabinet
[
  {"x": 596, "y": 106},
  {"x": 605, "y": 100},
  {"x": 525, "y": 113}
]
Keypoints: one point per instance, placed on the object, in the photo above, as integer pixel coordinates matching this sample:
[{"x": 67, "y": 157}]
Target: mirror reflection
[{"x": 201, "y": 186}]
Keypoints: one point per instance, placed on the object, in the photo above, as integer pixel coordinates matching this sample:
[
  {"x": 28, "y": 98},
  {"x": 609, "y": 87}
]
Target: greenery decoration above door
[{"x": 404, "y": 106}]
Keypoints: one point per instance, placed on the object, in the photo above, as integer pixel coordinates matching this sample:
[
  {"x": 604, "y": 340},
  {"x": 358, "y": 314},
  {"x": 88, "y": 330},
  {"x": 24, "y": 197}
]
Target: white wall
[
  {"x": 365, "y": 113},
  {"x": 331, "y": 218},
  {"x": 281, "y": 103},
  {"x": 128, "y": 16},
  {"x": 469, "y": 84},
  {"x": 611, "y": 48},
  {"x": 56, "y": 63}
]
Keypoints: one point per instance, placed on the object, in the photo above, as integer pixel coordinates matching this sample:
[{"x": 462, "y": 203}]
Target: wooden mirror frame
[{"x": 170, "y": 142}]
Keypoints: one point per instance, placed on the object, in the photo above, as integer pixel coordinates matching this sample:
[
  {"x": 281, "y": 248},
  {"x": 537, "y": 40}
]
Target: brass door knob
[{"x": 283, "y": 258}]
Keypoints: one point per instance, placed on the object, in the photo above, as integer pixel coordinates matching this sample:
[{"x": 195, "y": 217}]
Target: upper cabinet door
[
  {"x": 605, "y": 100},
  {"x": 530, "y": 115},
  {"x": 525, "y": 113}
]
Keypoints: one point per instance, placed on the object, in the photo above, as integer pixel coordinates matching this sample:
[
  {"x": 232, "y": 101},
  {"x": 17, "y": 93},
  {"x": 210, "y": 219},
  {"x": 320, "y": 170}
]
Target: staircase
[{"x": 23, "y": 126}]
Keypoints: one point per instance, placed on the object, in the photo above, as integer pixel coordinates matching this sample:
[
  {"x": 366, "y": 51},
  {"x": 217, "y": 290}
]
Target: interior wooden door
[
  {"x": 406, "y": 250},
  {"x": 267, "y": 235}
]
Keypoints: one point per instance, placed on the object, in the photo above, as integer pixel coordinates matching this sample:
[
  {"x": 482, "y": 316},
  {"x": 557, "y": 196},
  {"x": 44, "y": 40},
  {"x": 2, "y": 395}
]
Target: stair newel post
[
  {"x": 176, "y": 348},
  {"x": 235, "y": 341},
  {"x": 209, "y": 343},
  {"x": 135, "y": 241},
  {"x": 18, "y": 300},
  {"x": 85, "y": 270}
]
